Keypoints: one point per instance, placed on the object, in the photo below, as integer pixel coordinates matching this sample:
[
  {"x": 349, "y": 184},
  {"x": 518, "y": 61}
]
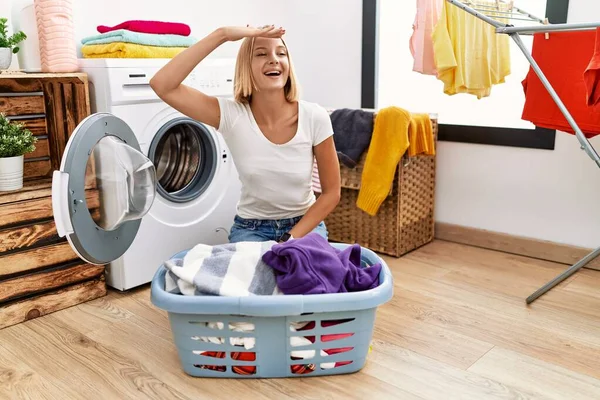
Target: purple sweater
[{"x": 310, "y": 265}]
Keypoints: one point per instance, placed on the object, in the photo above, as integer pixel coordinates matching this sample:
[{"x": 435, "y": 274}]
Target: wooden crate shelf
[
  {"x": 39, "y": 272},
  {"x": 50, "y": 106}
]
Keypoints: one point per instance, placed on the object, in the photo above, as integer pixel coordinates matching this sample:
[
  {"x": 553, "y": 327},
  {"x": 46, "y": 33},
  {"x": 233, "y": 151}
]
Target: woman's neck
[{"x": 269, "y": 107}]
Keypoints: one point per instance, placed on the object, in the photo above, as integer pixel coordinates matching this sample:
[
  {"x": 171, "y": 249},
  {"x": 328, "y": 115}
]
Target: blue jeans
[{"x": 262, "y": 230}]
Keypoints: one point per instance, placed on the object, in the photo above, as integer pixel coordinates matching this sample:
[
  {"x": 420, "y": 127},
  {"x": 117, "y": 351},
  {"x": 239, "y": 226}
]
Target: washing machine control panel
[{"x": 211, "y": 79}]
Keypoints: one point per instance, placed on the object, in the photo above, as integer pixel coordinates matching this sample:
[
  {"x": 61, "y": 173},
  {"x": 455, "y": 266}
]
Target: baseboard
[{"x": 541, "y": 249}]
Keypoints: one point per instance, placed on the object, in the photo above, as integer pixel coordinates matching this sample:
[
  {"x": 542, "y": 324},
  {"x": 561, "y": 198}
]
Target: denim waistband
[{"x": 275, "y": 223}]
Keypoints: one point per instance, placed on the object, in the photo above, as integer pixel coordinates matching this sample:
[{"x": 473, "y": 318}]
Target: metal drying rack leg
[
  {"x": 585, "y": 145},
  {"x": 574, "y": 268}
]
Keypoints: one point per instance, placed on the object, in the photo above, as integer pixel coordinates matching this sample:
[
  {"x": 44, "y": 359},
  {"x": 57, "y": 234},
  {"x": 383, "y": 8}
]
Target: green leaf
[
  {"x": 10, "y": 41},
  {"x": 15, "y": 139}
]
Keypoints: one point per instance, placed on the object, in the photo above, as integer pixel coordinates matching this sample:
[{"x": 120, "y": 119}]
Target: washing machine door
[{"x": 103, "y": 189}]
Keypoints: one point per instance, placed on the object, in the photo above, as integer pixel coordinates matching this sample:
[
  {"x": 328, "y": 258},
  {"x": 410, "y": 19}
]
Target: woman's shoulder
[
  {"x": 312, "y": 106},
  {"x": 230, "y": 113},
  {"x": 313, "y": 111},
  {"x": 318, "y": 121},
  {"x": 232, "y": 105}
]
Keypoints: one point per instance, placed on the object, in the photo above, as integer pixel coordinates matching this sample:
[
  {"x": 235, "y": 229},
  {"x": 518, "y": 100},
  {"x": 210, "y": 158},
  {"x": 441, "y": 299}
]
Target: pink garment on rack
[
  {"x": 421, "y": 45},
  {"x": 155, "y": 27},
  {"x": 563, "y": 58},
  {"x": 591, "y": 76}
]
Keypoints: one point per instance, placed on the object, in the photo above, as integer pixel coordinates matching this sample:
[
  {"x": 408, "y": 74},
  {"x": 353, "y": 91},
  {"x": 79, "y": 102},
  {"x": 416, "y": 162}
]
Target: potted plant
[
  {"x": 8, "y": 44},
  {"x": 15, "y": 142}
]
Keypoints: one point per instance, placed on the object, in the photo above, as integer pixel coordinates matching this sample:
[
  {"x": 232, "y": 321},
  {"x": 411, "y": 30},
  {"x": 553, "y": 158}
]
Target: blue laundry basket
[{"x": 293, "y": 335}]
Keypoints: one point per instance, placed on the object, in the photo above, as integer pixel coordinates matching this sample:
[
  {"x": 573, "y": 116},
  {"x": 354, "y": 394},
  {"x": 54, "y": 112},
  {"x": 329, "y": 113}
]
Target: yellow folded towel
[
  {"x": 128, "y": 50},
  {"x": 421, "y": 136},
  {"x": 388, "y": 144}
]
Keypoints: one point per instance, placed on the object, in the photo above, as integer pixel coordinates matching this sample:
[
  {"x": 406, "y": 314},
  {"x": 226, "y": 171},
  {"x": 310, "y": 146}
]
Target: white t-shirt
[{"x": 276, "y": 178}]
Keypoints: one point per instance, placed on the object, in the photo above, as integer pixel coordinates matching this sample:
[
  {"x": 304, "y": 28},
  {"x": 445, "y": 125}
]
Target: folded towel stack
[{"x": 138, "y": 39}]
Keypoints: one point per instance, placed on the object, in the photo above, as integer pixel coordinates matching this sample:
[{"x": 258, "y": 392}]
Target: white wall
[
  {"x": 536, "y": 193},
  {"x": 313, "y": 39},
  {"x": 549, "y": 195}
]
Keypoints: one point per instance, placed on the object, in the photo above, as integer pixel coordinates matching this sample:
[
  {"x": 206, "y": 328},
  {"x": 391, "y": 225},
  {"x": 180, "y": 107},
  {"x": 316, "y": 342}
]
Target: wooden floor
[{"x": 457, "y": 328}]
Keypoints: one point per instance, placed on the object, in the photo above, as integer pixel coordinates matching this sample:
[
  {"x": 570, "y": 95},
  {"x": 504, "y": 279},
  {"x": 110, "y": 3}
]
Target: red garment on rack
[
  {"x": 591, "y": 75},
  {"x": 563, "y": 59}
]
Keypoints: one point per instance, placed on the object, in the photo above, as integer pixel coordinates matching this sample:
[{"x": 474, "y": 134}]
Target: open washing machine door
[{"x": 103, "y": 189}]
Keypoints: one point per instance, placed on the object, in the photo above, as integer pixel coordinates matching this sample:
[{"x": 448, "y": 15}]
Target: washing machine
[{"x": 139, "y": 181}]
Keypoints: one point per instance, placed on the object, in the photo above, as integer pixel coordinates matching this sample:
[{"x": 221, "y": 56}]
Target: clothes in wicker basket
[
  {"x": 405, "y": 219},
  {"x": 396, "y": 132},
  {"x": 409, "y": 133},
  {"x": 420, "y": 136},
  {"x": 388, "y": 144},
  {"x": 352, "y": 131}
]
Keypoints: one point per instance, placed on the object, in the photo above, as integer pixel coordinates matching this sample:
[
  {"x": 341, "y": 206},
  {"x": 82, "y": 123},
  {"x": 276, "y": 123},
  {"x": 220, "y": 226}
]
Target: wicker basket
[{"x": 404, "y": 221}]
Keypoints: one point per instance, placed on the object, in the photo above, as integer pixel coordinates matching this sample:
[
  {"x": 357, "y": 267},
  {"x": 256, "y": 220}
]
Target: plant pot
[
  {"x": 11, "y": 173},
  {"x": 5, "y": 57}
]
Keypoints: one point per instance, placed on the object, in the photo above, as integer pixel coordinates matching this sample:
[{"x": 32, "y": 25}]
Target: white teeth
[{"x": 273, "y": 73}]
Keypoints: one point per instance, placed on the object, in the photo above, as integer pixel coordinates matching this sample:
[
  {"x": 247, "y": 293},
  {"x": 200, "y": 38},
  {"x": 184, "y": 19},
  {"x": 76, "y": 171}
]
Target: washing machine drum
[{"x": 184, "y": 154}]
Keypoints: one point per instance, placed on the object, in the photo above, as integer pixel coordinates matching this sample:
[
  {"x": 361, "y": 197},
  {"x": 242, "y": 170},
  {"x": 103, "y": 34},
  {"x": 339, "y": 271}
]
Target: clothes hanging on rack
[
  {"x": 420, "y": 43},
  {"x": 563, "y": 57},
  {"x": 591, "y": 76},
  {"x": 586, "y": 146},
  {"x": 469, "y": 56}
]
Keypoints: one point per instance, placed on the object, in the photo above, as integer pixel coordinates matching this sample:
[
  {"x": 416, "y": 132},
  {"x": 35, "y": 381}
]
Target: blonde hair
[{"x": 244, "y": 84}]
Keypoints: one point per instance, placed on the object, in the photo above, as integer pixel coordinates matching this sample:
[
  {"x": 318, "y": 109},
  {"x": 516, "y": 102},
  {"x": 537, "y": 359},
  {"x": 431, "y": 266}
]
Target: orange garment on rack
[
  {"x": 591, "y": 76},
  {"x": 563, "y": 58}
]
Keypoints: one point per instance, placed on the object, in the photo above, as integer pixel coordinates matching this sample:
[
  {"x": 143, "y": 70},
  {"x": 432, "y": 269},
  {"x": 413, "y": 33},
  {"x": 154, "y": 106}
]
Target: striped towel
[{"x": 232, "y": 269}]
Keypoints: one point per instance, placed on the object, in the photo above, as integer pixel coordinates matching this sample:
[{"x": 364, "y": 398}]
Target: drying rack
[{"x": 487, "y": 11}]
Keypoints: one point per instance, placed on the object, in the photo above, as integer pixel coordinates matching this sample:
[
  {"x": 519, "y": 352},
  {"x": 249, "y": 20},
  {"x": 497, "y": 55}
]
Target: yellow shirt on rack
[{"x": 469, "y": 55}]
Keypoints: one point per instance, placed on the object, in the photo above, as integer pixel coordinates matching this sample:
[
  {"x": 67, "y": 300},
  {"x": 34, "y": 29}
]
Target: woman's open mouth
[{"x": 273, "y": 74}]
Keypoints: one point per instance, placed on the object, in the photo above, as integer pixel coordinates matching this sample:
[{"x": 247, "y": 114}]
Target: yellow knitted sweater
[{"x": 388, "y": 144}]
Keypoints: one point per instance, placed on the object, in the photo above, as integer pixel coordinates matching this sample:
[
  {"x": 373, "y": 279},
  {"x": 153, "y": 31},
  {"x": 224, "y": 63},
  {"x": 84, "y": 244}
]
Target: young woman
[{"x": 273, "y": 136}]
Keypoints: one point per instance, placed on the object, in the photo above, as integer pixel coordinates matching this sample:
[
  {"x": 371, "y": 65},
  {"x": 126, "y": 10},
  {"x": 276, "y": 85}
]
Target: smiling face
[
  {"x": 270, "y": 64},
  {"x": 264, "y": 64}
]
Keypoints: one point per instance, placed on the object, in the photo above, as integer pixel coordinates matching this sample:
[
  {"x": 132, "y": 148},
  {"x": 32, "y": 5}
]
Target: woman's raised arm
[{"x": 167, "y": 82}]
